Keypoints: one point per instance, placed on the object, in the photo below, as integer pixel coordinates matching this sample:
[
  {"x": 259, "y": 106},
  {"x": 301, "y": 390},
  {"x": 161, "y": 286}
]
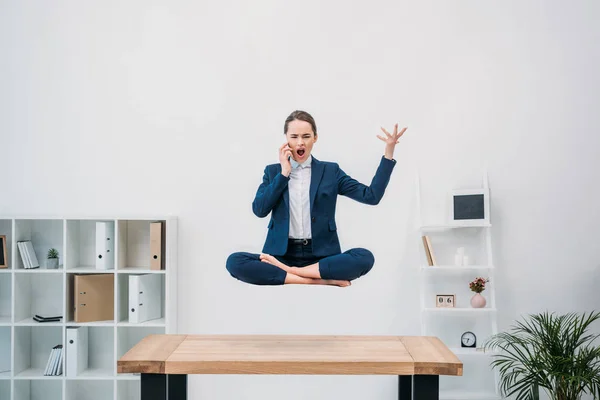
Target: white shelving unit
[
  {"x": 479, "y": 381},
  {"x": 25, "y": 344}
]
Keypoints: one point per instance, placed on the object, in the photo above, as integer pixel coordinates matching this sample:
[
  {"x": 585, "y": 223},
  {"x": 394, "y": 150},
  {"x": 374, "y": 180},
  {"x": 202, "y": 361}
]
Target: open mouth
[{"x": 300, "y": 152}]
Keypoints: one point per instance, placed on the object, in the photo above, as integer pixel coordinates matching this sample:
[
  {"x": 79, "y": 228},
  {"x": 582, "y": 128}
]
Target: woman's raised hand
[
  {"x": 391, "y": 140},
  {"x": 285, "y": 152}
]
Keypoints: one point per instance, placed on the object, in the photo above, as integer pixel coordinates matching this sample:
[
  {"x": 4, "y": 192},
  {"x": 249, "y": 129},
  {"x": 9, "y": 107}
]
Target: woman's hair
[{"x": 302, "y": 116}]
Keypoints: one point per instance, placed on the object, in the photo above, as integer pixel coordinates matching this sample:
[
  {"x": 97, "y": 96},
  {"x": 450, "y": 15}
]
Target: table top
[{"x": 290, "y": 354}]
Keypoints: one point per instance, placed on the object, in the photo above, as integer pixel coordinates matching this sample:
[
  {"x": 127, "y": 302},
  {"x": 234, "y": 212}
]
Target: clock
[{"x": 468, "y": 339}]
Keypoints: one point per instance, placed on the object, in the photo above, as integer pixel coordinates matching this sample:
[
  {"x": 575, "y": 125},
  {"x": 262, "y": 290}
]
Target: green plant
[
  {"x": 550, "y": 352},
  {"x": 478, "y": 285},
  {"x": 52, "y": 253}
]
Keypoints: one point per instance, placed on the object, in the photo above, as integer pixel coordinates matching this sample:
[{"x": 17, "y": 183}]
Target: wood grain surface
[{"x": 290, "y": 354}]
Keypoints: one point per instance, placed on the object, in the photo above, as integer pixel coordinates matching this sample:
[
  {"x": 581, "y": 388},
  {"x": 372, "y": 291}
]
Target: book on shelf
[
  {"x": 54, "y": 364},
  {"x": 28, "y": 254},
  {"x": 39, "y": 318},
  {"x": 429, "y": 251}
]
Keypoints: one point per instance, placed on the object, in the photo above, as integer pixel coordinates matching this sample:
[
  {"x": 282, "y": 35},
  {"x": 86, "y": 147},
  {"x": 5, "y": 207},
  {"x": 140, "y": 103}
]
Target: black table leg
[
  {"x": 405, "y": 387},
  {"x": 177, "y": 387},
  {"x": 163, "y": 387},
  {"x": 418, "y": 387}
]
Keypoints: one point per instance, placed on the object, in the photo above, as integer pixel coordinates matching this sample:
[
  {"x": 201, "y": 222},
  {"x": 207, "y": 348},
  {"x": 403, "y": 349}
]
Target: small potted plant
[
  {"x": 478, "y": 286},
  {"x": 52, "y": 259}
]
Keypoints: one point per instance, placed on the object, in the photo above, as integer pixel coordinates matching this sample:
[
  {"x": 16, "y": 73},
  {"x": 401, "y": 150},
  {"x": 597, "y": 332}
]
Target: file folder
[
  {"x": 77, "y": 350},
  {"x": 145, "y": 297},
  {"x": 94, "y": 297},
  {"x": 157, "y": 245},
  {"x": 105, "y": 245}
]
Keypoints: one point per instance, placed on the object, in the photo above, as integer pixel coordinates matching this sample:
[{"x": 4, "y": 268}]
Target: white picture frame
[{"x": 469, "y": 207}]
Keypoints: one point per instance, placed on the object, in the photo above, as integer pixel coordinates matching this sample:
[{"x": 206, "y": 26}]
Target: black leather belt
[{"x": 304, "y": 242}]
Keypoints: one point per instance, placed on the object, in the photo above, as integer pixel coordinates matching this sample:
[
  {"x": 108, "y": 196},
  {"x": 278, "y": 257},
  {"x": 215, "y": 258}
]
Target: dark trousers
[{"x": 349, "y": 265}]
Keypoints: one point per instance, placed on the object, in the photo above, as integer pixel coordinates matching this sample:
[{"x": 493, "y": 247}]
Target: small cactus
[{"x": 52, "y": 253}]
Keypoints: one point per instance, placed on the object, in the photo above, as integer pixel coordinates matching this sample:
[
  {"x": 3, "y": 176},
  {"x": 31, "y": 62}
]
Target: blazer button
[{"x": 313, "y": 219}]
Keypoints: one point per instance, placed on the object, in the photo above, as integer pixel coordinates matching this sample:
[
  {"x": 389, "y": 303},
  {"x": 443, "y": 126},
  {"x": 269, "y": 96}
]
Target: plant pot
[
  {"x": 51, "y": 263},
  {"x": 478, "y": 301}
]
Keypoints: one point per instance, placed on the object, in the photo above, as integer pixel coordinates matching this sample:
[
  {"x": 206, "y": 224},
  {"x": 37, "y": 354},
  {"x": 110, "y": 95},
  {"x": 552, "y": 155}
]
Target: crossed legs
[{"x": 336, "y": 270}]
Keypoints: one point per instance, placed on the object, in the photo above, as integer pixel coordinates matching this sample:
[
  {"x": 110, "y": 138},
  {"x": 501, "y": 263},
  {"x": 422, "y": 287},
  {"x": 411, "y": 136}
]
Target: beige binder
[
  {"x": 94, "y": 297},
  {"x": 157, "y": 245}
]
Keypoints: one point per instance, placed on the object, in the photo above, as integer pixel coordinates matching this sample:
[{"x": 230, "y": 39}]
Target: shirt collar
[{"x": 305, "y": 164}]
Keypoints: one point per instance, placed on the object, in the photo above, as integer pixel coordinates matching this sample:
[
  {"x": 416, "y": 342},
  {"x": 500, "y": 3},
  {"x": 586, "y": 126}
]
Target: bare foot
[
  {"x": 334, "y": 282},
  {"x": 291, "y": 279},
  {"x": 267, "y": 258}
]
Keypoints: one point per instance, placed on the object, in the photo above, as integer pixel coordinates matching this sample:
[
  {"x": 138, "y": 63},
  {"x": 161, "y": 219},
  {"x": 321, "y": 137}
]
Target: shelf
[
  {"x": 128, "y": 389},
  {"x": 6, "y": 230},
  {"x": 152, "y": 323},
  {"x": 89, "y": 270},
  {"x": 38, "y": 294},
  {"x": 92, "y": 389},
  {"x": 42, "y": 389},
  {"x": 459, "y": 309},
  {"x": 140, "y": 270},
  {"x": 100, "y": 353},
  {"x": 5, "y": 340},
  {"x": 107, "y": 323},
  {"x": 134, "y": 244},
  {"x": 471, "y": 352},
  {"x": 5, "y": 297},
  {"x": 25, "y": 344},
  {"x": 40, "y": 270},
  {"x": 123, "y": 302},
  {"x": 94, "y": 374},
  {"x": 44, "y": 234},
  {"x": 33, "y": 345},
  {"x": 5, "y": 389},
  {"x": 445, "y": 227},
  {"x": 81, "y": 245},
  {"x": 29, "y": 321}
]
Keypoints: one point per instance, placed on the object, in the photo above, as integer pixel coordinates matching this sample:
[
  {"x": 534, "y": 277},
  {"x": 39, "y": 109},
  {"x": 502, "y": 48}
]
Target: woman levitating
[{"x": 300, "y": 194}]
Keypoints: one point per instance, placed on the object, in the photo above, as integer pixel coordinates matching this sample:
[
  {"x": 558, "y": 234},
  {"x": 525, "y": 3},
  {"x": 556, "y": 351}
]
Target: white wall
[{"x": 175, "y": 107}]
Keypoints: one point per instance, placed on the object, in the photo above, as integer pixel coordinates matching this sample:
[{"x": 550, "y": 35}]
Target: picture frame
[
  {"x": 3, "y": 252},
  {"x": 470, "y": 207},
  {"x": 445, "y": 300}
]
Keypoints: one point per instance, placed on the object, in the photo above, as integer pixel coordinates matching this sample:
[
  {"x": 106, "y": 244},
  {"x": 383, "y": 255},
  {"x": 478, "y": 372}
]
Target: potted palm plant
[{"x": 552, "y": 352}]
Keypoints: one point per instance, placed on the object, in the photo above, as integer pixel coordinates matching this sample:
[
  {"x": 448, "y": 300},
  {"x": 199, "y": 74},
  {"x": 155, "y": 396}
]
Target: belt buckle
[{"x": 305, "y": 242}]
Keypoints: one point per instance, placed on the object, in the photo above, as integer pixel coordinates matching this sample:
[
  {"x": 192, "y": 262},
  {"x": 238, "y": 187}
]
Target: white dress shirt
[{"x": 299, "y": 189}]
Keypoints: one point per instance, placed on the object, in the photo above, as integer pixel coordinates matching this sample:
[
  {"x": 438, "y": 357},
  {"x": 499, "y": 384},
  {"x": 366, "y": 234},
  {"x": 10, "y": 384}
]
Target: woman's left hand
[{"x": 391, "y": 140}]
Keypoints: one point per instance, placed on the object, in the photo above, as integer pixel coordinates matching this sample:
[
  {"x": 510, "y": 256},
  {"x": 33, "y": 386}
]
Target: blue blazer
[{"x": 327, "y": 182}]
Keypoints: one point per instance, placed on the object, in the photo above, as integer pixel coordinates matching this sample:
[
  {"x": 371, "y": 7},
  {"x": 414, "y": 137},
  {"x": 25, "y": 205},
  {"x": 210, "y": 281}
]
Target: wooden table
[{"x": 165, "y": 361}]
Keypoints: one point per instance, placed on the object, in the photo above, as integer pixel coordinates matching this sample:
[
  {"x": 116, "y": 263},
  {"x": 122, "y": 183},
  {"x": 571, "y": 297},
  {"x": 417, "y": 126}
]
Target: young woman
[{"x": 300, "y": 194}]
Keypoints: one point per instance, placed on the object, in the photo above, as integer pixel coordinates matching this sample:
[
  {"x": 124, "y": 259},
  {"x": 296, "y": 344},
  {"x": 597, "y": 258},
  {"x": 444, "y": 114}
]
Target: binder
[
  {"x": 145, "y": 297},
  {"x": 157, "y": 245},
  {"x": 77, "y": 350},
  {"x": 105, "y": 245},
  {"x": 94, "y": 297}
]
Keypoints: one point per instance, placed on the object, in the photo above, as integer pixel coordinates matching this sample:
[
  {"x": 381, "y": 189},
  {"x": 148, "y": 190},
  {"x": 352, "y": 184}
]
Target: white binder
[
  {"x": 105, "y": 245},
  {"x": 145, "y": 297},
  {"x": 77, "y": 350}
]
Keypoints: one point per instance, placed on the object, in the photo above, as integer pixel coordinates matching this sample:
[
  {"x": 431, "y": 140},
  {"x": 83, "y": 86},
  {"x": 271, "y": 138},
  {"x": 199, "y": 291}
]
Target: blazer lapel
[{"x": 315, "y": 179}]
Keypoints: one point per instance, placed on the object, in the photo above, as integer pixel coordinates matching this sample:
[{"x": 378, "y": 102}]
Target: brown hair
[{"x": 302, "y": 116}]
